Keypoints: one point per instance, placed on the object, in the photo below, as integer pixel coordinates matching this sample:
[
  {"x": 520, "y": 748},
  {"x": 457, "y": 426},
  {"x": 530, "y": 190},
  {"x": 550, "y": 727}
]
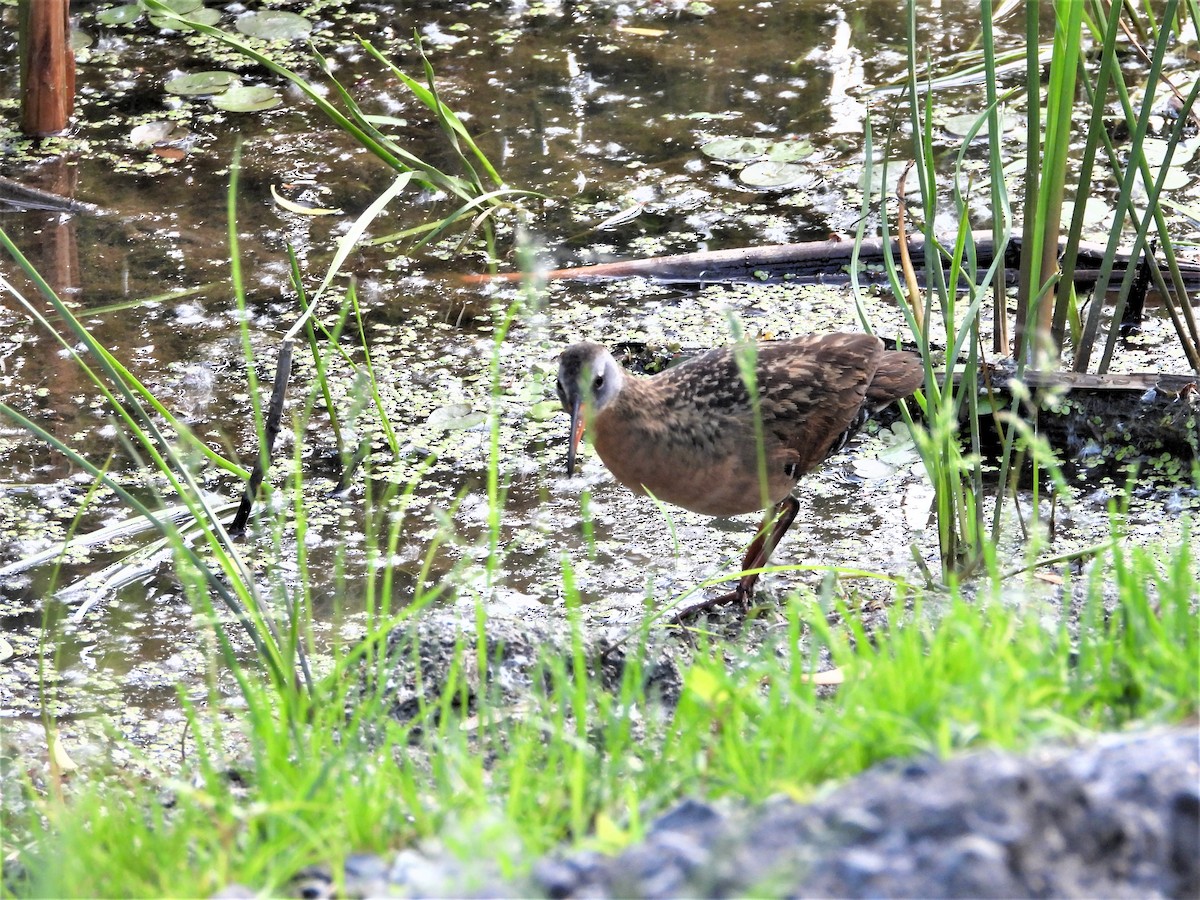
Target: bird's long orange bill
[{"x": 576, "y": 434}]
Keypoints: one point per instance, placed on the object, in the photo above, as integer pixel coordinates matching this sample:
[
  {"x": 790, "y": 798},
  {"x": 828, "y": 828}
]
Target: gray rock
[{"x": 1119, "y": 818}]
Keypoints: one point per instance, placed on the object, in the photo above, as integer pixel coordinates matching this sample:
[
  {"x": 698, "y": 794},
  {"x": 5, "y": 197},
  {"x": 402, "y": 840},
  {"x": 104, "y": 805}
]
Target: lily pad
[
  {"x": 772, "y": 175},
  {"x": 735, "y": 149},
  {"x": 80, "y": 40},
  {"x": 274, "y": 25},
  {"x": 456, "y": 417},
  {"x": 200, "y": 83},
  {"x": 183, "y": 7},
  {"x": 790, "y": 151},
  {"x": 247, "y": 99},
  {"x": 119, "y": 15},
  {"x": 1176, "y": 178},
  {"x": 544, "y": 410},
  {"x": 1095, "y": 211},
  {"x": 203, "y": 16},
  {"x": 156, "y": 133},
  {"x": 960, "y": 125},
  {"x": 1155, "y": 151}
]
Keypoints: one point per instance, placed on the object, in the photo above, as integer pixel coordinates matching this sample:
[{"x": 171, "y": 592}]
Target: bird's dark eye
[{"x": 597, "y": 384}]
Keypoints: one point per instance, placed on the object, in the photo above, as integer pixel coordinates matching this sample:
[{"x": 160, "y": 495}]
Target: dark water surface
[{"x": 601, "y": 108}]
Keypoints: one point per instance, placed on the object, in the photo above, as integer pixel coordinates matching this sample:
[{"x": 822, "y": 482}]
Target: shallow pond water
[{"x": 603, "y": 109}]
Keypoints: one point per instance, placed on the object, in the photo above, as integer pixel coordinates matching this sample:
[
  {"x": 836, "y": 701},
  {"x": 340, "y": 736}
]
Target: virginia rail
[{"x": 690, "y": 434}]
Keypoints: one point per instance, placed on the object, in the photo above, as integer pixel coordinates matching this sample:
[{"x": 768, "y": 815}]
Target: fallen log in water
[
  {"x": 1150, "y": 412},
  {"x": 23, "y": 196},
  {"x": 813, "y": 262}
]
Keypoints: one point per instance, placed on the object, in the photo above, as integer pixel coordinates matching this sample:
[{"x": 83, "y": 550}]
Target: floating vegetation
[
  {"x": 204, "y": 16},
  {"x": 274, "y": 25},
  {"x": 247, "y": 99},
  {"x": 200, "y": 83},
  {"x": 119, "y": 15},
  {"x": 771, "y": 175},
  {"x": 771, "y": 163},
  {"x": 962, "y": 124},
  {"x": 155, "y": 133},
  {"x": 735, "y": 149}
]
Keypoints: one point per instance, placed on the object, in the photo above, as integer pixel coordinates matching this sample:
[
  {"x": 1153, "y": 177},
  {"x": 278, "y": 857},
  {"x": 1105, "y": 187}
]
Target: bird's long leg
[
  {"x": 760, "y": 549},
  {"x": 775, "y": 525}
]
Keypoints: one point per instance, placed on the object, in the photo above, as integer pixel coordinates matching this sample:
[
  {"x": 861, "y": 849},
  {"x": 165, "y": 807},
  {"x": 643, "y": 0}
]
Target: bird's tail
[{"x": 899, "y": 374}]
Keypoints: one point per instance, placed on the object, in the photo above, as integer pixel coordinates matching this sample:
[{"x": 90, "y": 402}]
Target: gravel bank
[{"x": 1117, "y": 818}]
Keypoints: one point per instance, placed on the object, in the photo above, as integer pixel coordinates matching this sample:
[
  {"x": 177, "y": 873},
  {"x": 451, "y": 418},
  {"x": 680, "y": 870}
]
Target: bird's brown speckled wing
[
  {"x": 813, "y": 390},
  {"x": 810, "y": 391}
]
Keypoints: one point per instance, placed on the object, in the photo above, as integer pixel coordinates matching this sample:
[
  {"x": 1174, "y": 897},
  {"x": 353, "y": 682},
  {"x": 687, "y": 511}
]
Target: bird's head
[{"x": 588, "y": 380}]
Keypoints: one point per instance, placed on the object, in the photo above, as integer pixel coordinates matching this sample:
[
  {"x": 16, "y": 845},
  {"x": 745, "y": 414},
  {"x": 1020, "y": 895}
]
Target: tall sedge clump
[{"x": 1061, "y": 161}]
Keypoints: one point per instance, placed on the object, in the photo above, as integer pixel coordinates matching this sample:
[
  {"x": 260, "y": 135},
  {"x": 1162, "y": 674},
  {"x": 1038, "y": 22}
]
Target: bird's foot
[{"x": 741, "y": 595}]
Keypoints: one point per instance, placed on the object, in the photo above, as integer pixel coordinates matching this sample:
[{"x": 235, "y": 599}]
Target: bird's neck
[
  {"x": 637, "y": 411},
  {"x": 629, "y": 398}
]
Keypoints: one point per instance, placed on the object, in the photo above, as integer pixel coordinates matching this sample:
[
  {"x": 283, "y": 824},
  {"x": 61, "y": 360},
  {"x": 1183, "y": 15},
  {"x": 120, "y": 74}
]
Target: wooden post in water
[{"x": 47, "y": 66}]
